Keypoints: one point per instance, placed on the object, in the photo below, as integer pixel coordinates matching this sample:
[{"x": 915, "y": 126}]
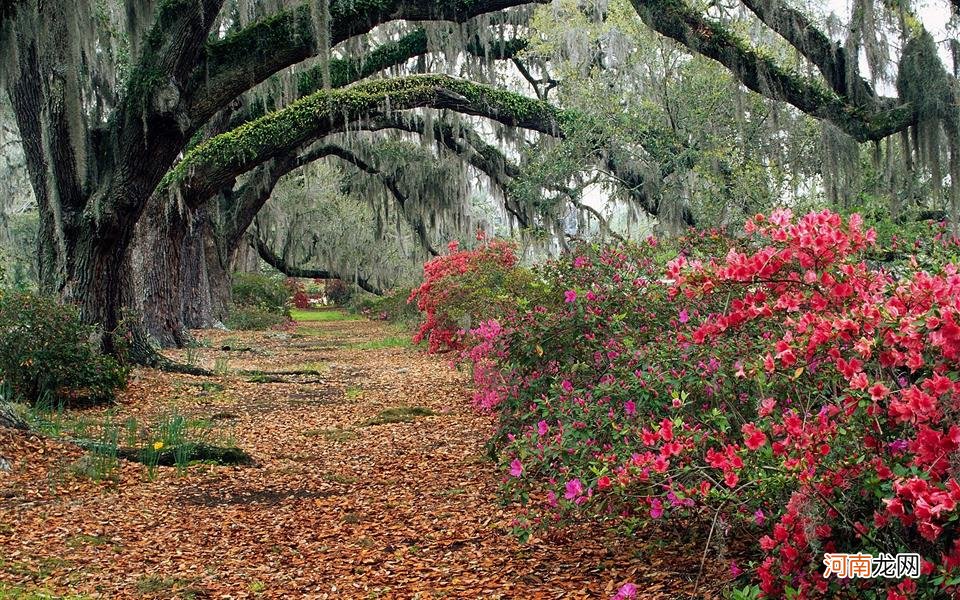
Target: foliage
[
  {"x": 260, "y": 301},
  {"x": 46, "y": 353},
  {"x": 466, "y": 287},
  {"x": 776, "y": 383},
  {"x": 269, "y": 293},
  {"x": 338, "y": 292},
  {"x": 300, "y": 298},
  {"x": 246, "y": 318},
  {"x": 392, "y": 306}
]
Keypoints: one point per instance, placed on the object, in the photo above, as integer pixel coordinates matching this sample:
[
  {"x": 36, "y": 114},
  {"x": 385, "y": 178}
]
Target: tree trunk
[
  {"x": 9, "y": 417},
  {"x": 156, "y": 264}
]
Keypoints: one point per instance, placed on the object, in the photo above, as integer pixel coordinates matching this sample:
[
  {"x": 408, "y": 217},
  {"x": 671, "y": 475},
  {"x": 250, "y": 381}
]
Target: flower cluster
[{"x": 777, "y": 381}]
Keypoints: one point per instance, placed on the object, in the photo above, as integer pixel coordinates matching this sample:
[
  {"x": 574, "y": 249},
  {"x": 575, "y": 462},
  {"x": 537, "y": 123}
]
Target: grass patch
[
  {"x": 8, "y": 592},
  {"x": 401, "y": 414},
  {"x": 353, "y": 393},
  {"x": 333, "y": 435},
  {"x": 393, "y": 341},
  {"x": 83, "y": 539},
  {"x": 154, "y": 584},
  {"x": 313, "y": 316}
]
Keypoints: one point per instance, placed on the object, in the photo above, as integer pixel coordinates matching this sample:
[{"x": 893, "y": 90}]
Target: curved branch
[
  {"x": 278, "y": 263},
  {"x": 214, "y": 163},
  {"x": 244, "y": 59},
  {"x": 389, "y": 182},
  {"x": 763, "y": 75},
  {"x": 828, "y": 56},
  {"x": 344, "y": 71}
]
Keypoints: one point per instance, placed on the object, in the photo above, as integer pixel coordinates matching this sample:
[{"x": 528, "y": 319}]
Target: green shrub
[
  {"x": 253, "y": 318},
  {"x": 267, "y": 293},
  {"x": 392, "y": 306},
  {"x": 259, "y": 301},
  {"x": 46, "y": 354}
]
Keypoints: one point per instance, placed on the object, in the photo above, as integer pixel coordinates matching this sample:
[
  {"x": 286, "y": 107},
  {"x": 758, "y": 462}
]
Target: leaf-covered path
[{"x": 371, "y": 482}]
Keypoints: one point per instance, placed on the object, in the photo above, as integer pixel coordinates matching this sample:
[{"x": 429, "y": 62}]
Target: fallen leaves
[{"x": 379, "y": 493}]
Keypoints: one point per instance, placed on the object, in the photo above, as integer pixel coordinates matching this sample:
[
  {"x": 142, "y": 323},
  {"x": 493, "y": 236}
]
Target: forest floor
[{"x": 370, "y": 481}]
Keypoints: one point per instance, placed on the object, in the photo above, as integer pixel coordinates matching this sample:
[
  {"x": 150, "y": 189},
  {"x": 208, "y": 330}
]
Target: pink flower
[
  {"x": 574, "y": 489},
  {"x": 566, "y": 386},
  {"x": 684, "y": 316},
  {"x": 570, "y": 296},
  {"x": 627, "y": 590},
  {"x": 656, "y": 508},
  {"x": 630, "y": 407},
  {"x": 542, "y": 428},
  {"x": 735, "y": 569},
  {"x": 759, "y": 517},
  {"x": 516, "y": 468}
]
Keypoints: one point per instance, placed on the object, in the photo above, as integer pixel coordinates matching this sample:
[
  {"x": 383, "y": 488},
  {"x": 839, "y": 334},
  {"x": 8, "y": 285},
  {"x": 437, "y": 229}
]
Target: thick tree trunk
[
  {"x": 156, "y": 264},
  {"x": 197, "y": 304}
]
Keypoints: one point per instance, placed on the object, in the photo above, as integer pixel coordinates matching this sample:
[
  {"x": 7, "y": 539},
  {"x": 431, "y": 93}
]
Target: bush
[
  {"x": 392, "y": 307},
  {"x": 465, "y": 287},
  {"x": 775, "y": 383},
  {"x": 46, "y": 354},
  {"x": 260, "y": 301},
  {"x": 253, "y": 318},
  {"x": 265, "y": 292},
  {"x": 338, "y": 292}
]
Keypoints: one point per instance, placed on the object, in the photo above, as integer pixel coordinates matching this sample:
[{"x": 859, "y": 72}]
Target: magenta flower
[
  {"x": 542, "y": 428},
  {"x": 656, "y": 508},
  {"x": 630, "y": 407},
  {"x": 627, "y": 590},
  {"x": 574, "y": 489},
  {"x": 684, "y": 316},
  {"x": 759, "y": 517},
  {"x": 570, "y": 296},
  {"x": 566, "y": 385},
  {"x": 516, "y": 468}
]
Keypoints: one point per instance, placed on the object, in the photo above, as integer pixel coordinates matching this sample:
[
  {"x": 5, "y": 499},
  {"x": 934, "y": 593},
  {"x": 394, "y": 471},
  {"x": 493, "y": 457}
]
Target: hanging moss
[{"x": 303, "y": 120}]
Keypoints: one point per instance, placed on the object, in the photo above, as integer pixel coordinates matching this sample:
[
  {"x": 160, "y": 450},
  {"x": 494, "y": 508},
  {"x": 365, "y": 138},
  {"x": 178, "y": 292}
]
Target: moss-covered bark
[
  {"x": 675, "y": 19},
  {"x": 238, "y": 62},
  {"x": 213, "y": 164}
]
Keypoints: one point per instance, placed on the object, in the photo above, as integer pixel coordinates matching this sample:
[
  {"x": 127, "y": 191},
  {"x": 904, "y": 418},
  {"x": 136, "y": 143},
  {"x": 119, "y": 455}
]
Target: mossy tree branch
[
  {"x": 247, "y": 57},
  {"x": 279, "y": 263},
  {"x": 344, "y": 71},
  {"x": 828, "y": 56},
  {"x": 676, "y": 20},
  {"x": 215, "y": 163}
]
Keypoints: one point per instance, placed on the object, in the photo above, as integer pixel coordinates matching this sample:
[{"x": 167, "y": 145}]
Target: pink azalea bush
[{"x": 776, "y": 381}]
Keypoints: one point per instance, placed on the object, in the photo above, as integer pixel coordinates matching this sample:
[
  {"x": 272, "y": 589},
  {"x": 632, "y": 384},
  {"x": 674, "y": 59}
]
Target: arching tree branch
[
  {"x": 764, "y": 76},
  {"x": 278, "y": 263},
  {"x": 213, "y": 164},
  {"x": 246, "y": 58}
]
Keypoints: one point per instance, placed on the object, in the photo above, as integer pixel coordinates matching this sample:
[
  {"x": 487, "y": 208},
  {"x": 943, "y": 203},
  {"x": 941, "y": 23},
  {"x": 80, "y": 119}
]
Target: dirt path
[{"x": 337, "y": 506}]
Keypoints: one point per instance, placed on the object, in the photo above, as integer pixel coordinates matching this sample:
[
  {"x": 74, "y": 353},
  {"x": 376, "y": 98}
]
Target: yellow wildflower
[{"x": 157, "y": 445}]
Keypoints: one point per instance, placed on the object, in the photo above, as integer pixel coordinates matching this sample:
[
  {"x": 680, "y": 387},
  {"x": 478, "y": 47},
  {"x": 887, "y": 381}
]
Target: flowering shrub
[
  {"x": 466, "y": 286},
  {"x": 777, "y": 383}
]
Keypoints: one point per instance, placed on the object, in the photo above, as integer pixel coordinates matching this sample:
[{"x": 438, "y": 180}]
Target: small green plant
[
  {"x": 221, "y": 366},
  {"x": 191, "y": 355}
]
